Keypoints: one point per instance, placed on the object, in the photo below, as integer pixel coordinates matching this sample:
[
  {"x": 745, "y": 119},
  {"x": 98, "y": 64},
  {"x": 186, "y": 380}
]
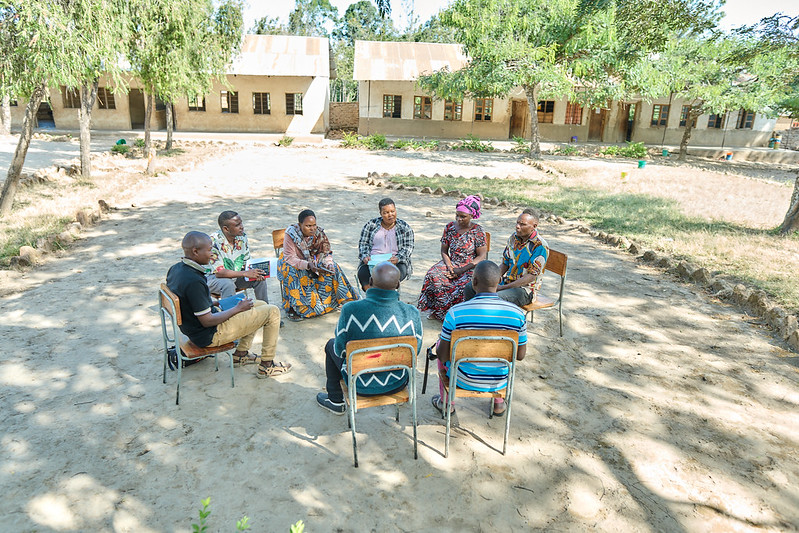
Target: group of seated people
[{"x": 463, "y": 289}]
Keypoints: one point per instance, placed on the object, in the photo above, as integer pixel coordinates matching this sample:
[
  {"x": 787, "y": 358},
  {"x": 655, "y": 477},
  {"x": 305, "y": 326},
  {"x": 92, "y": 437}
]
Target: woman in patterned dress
[
  {"x": 463, "y": 245},
  {"x": 312, "y": 284}
]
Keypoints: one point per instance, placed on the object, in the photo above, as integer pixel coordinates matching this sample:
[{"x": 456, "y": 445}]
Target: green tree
[
  {"x": 361, "y": 21},
  {"x": 312, "y": 18},
  {"x": 33, "y": 39},
  {"x": 432, "y": 31},
  {"x": 269, "y": 26},
  {"x": 178, "y": 47}
]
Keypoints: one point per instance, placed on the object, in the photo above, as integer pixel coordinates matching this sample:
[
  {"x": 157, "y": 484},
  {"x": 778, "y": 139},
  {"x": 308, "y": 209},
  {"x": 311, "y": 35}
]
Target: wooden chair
[
  {"x": 169, "y": 306},
  {"x": 480, "y": 346},
  {"x": 378, "y": 355},
  {"x": 277, "y": 240},
  {"x": 556, "y": 262}
]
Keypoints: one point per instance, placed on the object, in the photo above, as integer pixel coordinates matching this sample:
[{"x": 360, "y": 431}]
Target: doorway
[
  {"x": 44, "y": 116},
  {"x": 136, "y": 103},
  {"x": 627, "y": 121},
  {"x": 518, "y": 118},
  {"x": 596, "y": 126}
]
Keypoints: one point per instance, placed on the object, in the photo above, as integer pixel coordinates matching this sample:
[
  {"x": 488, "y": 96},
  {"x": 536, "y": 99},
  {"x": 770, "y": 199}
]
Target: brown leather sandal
[
  {"x": 275, "y": 369},
  {"x": 246, "y": 359}
]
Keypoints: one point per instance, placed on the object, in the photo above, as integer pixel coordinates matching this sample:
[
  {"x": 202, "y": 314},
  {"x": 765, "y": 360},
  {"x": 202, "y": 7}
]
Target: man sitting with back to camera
[
  {"x": 486, "y": 310},
  {"x": 230, "y": 253},
  {"x": 204, "y": 327},
  {"x": 379, "y": 315}
]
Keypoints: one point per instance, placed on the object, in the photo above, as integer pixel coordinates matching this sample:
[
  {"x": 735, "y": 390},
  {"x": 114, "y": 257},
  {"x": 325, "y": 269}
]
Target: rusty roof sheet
[
  {"x": 404, "y": 61},
  {"x": 282, "y": 55}
]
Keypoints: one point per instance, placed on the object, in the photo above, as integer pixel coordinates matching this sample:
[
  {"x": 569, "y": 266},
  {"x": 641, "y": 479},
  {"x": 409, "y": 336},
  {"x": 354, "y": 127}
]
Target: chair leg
[
  {"x": 216, "y": 362},
  {"x": 232, "y": 381},
  {"x": 508, "y": 396},
  {"x": 397, "y": 417},
  {"x": 448, "y": 406},
  {"x": 560, "y": 318},
  {"x": 491, "y": 409},
  {"x": 180, "y": 374},
  {"x": 354, "y": 441},
  {"x": 166, "y": 354},
  {"x": 413, "y": 411}
]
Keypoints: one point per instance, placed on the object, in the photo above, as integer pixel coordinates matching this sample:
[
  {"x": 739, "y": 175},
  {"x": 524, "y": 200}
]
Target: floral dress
[{"x": 439, "y": 293}]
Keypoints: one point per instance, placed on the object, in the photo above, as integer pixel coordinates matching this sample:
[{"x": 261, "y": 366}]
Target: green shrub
[
  {"x": 375, "y": 142},
  {"x": 351, "y": 140},
  {"x": 402, "y": 143},
  {"x": 612, "y": 151},
  {"x": 566, "y": 150},
  {"x": 634, "y": 150},
  {"x": 520, "y": 145},
  {"x": 139, "y": 143},
  {"x": 285, "y": 141},
  {"x": 120, "y": 148},
  {"x": 473, "y": 144}
]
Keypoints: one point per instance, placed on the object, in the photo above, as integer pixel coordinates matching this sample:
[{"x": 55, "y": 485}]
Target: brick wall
[
  {"x": 343, "y": 115},
  {"x": 790, "y": 139}
]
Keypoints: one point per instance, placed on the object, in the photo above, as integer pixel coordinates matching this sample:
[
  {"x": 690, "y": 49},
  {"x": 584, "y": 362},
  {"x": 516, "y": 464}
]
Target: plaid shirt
[{"x": 404, "y": 241}]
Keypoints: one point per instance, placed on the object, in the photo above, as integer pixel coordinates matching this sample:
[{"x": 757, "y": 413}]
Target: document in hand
[
  {"x": 231, "y": 301},
  {"x": 267, "y": 265},
  {"x": 377, "y": 259}
]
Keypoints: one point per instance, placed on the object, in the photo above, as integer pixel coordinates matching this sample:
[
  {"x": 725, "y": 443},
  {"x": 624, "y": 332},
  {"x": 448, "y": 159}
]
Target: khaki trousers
[{"x": 244, "y": 326}]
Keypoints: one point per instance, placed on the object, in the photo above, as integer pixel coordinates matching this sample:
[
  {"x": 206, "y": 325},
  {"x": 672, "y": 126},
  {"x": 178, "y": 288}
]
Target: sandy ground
[{"x": 660, "y": 410}]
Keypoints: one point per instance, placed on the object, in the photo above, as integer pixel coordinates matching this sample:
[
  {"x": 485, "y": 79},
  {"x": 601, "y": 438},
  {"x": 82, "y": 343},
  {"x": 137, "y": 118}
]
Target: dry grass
[{"x": 724, "y": 223}]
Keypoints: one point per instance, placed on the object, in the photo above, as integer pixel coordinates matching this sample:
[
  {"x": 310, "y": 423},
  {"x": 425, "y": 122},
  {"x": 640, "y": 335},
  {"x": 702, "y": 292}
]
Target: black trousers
[{"x": 364, "y": 275}]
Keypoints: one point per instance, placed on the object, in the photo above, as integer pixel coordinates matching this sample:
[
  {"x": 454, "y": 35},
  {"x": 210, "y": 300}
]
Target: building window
[
  {"x": 70, "y": 97},
  {"x": 229, "y": 101},
  {"x": 392, "y": 106},
  {"x": 546, "y": 111},
  {"x": 684, "y": 113},
  {"x": 422, "y": 107},
  {"x": 196, "y": 103},
  {"x": 715, "y": 121},
  {"x": 574, "y": 113},
  {"x": 294, "y": 103},
  {"x": 261, "y": 104},
  {"x": 660, "y": 115},
  {"x": 483, "y": 109},
  {"x": 745, "y": 119},
  {"x": 105, "y": 98},
  {"x": 453, "y": 110}
]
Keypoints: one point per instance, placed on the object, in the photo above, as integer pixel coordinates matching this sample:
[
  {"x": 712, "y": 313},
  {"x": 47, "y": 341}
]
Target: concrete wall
[
  {"x": 701, "y": 135},
  {"x": 790, "y": 139},
  {"x": 343, "y": 115},
  {"x": 315, "y": 117}
]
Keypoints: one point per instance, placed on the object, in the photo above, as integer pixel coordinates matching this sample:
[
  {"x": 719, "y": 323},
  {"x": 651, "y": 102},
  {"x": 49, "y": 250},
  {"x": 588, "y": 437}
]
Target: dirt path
[{"x": 659, "y": 410}]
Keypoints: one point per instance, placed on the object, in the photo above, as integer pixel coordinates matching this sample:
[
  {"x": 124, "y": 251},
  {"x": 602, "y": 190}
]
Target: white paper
[{"x": 378, "y": 258}]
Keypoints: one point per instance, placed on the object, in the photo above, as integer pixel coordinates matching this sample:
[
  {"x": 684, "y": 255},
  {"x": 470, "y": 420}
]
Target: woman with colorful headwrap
[
  {"x": 311, "y": 282},
  {"x": 463, "y": 245}
]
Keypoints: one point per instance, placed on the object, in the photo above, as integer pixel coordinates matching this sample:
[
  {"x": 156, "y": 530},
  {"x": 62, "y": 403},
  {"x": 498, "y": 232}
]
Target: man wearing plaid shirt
[{"x": 383, "y": 235}]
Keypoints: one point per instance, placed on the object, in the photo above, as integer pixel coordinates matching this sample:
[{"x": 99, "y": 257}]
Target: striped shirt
[{"x": 485, "y": 311}]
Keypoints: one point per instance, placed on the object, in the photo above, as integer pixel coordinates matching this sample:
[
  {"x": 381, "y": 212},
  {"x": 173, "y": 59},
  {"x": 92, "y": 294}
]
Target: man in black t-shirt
[{"x": 205, "y": 327}]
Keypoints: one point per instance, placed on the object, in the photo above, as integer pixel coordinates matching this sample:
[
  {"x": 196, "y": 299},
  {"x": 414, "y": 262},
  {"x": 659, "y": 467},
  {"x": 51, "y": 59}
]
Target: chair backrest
[
  {"x": 501, "y": 346},
  {"x": 277, "y": 240},
  {"x": 556, "y": 262},
  {"x": 381, "y": 353},
  {"x": 170, "y": 302},
  {"x": 488, "y": 242}
]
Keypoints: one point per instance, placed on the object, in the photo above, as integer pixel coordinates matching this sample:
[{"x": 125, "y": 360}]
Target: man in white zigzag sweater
[{"x": 379, "y": 315}]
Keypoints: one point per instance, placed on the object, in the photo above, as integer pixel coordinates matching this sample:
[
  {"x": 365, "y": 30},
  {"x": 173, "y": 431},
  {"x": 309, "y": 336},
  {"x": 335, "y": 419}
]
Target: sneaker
[{"x": 333, "y": 407}]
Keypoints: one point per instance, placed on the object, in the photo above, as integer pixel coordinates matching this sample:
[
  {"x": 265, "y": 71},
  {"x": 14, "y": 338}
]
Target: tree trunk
[
  {"x": 88, "y": 95},
  {"x": 535, "y": 135},
  {"x": 168, "y": 125},
  {"x": 15, "y": 169},
  {"x": 693, "y": 114},
  {"x": 148, "y": 149},
  {"x": 5, "y": 116},
  {"x": 791, "y": 222}
]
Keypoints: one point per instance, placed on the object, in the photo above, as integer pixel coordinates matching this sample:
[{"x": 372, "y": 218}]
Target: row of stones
[
  {"x": 28, "y": 255},
  {"x": 755, "y": 302}
]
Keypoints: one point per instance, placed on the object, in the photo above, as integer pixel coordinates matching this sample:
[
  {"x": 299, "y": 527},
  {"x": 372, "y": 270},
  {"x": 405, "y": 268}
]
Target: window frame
[
  {"x": 229, "y": 101},
  {"x": 716, "y": 121},
  {"x": 663, "y": 111},
  {"x": 395, "y": 110},
  {"x": 573, "y": 117},
  {"x": 196, "y": 99},
  {"x": 70, "y": 98},
  {"x": 260, "y": 95},
  {"x": 684, "y": 114},
  {"x": 455, "y": 110},
  {"x": 295, "y": 109},
  {"x": 746, "y": 119},
  {"x": 547, "y": 114},
  {"x": 480, "y": 107},
  {"x": 425, "y": 103},
  {"x": 105, "y": 99}
]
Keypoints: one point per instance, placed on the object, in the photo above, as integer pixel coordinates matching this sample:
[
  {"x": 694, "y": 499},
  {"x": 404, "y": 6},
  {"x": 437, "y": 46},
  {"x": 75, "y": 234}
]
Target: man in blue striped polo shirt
[{"x": 485, "y": 311}]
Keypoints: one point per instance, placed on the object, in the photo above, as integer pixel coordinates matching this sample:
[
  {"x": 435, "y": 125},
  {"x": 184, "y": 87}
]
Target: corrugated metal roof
[
  {"x": 282, "y": 55},
  {"x": 403, "y": 61}
]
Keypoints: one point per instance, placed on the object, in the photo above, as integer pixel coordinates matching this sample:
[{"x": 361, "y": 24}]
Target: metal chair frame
[
  {"x": 171, "y": 315},
  {"x": 557, "y": 303},
  {"x": 352, "y": 383},
  {"x": 456, "y": 361}
]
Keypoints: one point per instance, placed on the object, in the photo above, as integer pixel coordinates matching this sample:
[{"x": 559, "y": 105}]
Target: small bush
[
  {"x": 285, "y": 141},
  {"x": 473, "y": 144},
  {"x": 566, "y": 150},
  {"x": 120, "y": 148},
  {"x": 375, "y": 142},
  {"x": 634, "y": 150},
  {"x": 139, "y": 143},
  {"x": 520, "y": 145},
  {"x": 612, "y": 151},
  {"x": 402, "y": 143},
  {"x": 351, "y": 140}
]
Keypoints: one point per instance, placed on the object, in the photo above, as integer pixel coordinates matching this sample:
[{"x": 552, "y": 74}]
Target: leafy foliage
[
  {"x": 634, "y": 150},
  {"x": 285, "y": 141},
  {"x": 473, "y": 144}
]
